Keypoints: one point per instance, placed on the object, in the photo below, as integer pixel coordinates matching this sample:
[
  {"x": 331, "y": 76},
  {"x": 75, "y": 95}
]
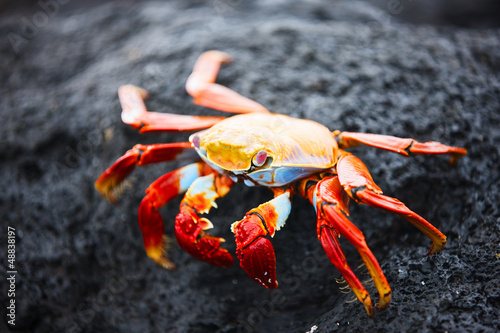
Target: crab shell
[{"x": 292, "y": 148}]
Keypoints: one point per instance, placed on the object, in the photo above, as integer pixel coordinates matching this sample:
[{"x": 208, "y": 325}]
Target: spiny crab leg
[
  {"x": 401, "y": 146},
  {"x": 202, "y": 87},
  {"x": 255, "y": 252},
  {"x": 158, "y": 194},
  {"x": 332, "y": 209},
  {"x": 359, "y": 185},
  {"x": 136, "y": 115},
  {"x": 328, "y": 237},
  {"x": 108, "y": 183},
  {"x": 190, "y": 228}
]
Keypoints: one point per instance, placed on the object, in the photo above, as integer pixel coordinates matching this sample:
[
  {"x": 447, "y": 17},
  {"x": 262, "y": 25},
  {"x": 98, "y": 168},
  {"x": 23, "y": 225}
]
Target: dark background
[{"x": 421, "y": 69}]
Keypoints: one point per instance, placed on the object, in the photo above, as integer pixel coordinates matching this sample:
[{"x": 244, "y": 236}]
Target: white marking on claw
[
  {"x": 204, "y": 186},
  {"x": 207, "y": 224},
  {"x": 282, "y": 206},
  {"x": 188, "y": 175},
  {"x": 233, "y": 225},
  {"x": 315, "y": 201}
]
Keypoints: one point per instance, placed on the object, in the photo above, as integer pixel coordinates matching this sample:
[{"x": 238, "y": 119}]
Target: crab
[{"x": 258, "y": 148}]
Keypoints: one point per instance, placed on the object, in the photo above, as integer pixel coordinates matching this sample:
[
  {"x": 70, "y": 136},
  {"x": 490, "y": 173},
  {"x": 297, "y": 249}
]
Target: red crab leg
[
  {"x": 158, "y": 194},
  {"x": 190, "y": 228},
  {"x": 136, "y": 115},
  {"x": 332, "y": 207},
  {"x": 359, "y": 185},
  {"x": 401, "y": 146},
  {"x": 255, "y": 252},
  {"x": 108, "y": 183},
  {"x": 202, "y": 87}
]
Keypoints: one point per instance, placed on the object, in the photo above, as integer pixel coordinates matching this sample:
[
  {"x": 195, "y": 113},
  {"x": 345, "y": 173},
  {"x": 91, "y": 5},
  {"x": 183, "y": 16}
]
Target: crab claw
[
  {"x": 190, "y": 234},
  {"x": 255, "y": 252}
]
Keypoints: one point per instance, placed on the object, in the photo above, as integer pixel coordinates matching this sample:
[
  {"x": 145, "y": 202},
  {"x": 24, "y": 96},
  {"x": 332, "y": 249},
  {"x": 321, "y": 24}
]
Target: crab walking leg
[
  {"x": 136, "y": 115},
  {"x": 358, "y": 183},
  {"x": 108, "y": 183},
  {"x": 329, "y": 240},
  {"x": 332, "y": 208},
  {"x": 401, "y": 146},
  {"x": 190, "y": 228},
  {"x": 202, "y": 87},
  {"x": 255, "y": 252},
  {"x": 158, "y": 194}
]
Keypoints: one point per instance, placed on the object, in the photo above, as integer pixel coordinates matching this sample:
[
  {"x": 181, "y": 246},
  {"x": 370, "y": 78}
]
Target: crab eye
[
  {"x": 260, "y": 158},
  {"x": 196, "y": 141}
]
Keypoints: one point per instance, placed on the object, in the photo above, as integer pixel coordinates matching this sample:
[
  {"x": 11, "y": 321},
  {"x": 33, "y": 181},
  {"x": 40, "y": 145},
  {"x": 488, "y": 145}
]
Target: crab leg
[
  {"x": 255, "y": 252},
  {"x": 108, "y": 184},
  {"x": 136, "y": 115},
  {"x": 401, "y": 146},
  {"x": 202, "y": 87},
  {"x": 359, "y": 185},
  {"x": 190, "y": 228},
  {"x": 332, "y": 208},
  {"x": 158, "y": 194}
]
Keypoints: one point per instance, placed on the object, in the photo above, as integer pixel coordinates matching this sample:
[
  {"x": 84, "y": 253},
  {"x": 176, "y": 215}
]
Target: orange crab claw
[
  {"x": 190, "y": 234},
  {"x": 190, "y": 228},
  {"x": 256, "y": 254}
]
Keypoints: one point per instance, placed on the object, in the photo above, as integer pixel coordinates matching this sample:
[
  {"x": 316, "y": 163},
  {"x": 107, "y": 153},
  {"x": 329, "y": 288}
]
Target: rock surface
[{"x": 80, "y": 261}]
